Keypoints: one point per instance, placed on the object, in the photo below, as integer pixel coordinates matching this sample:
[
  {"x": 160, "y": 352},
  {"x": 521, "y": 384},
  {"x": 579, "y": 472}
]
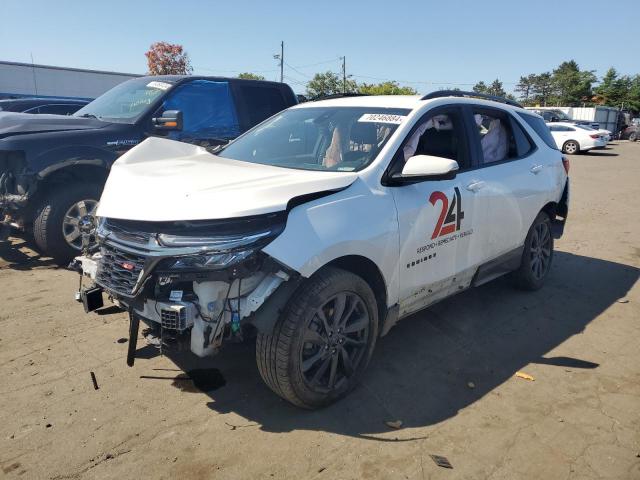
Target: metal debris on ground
[
  {"x": 95, "y": 382},
  {"x": 623, "y": 300},
  {"x": 526, "y": 376},
  {"x": 441, "y": 461},
  {"x": 394, "y": 424}
]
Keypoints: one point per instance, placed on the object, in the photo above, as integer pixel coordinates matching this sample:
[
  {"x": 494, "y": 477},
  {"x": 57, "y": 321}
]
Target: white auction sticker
[
  {"x": 159, "y": 85},
  {"x": 382, "y": 118}
]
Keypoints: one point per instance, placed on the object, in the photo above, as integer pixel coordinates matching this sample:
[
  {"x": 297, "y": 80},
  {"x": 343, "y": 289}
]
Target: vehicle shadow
[
  {"x": 598, "y": 153},
  {"x": 20, "y": 254},
  {"x": 420, "y": 371}
]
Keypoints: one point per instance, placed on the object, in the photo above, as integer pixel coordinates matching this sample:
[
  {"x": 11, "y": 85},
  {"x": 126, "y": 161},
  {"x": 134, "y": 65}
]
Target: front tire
[
  {"x": 633, "y": 136},
  {"x": 571, "y": 147},
  {"x": 537, "y": 255},
  {"x": 322, "y": 343},
  {"x": 55, "y": 226}
]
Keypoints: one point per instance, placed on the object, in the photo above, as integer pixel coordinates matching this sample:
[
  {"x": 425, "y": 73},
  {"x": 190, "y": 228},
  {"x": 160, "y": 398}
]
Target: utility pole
[
  {"x": 344, "y": 75},
  {"x": 281, "y": 58}
]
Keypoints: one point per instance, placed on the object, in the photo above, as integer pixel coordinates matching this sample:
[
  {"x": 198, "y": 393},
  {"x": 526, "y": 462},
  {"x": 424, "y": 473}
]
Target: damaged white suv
[{"x": 323, "y": 226}]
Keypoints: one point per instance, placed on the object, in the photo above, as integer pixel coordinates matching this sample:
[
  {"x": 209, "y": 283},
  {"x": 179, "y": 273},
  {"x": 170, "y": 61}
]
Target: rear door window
[
  {"x": 497, "y": 140},
  {"x": 261, "y": 101},
  {"x": 538, "y": 125}
]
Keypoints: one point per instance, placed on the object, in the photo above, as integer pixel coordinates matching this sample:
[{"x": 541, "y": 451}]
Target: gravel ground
[{"x": 447, "y": 373}]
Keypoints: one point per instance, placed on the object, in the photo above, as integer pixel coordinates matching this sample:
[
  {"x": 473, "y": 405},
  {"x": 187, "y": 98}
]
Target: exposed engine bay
[{"x": 192, "y": 283}]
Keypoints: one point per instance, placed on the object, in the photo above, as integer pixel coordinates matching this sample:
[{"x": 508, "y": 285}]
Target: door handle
[
  {"x": 536, "y": 169},
  {"x": 475, "y": 186}
]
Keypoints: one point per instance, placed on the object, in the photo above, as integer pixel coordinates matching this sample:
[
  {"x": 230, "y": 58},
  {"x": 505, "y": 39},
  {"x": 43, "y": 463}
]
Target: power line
[{"x": 297, "y": 71}]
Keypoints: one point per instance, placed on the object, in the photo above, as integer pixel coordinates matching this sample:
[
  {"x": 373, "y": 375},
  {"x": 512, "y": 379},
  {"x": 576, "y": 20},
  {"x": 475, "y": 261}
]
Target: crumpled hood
[
  {"x": 12, "y": 123},
  {"x": 165, "y": 180}
]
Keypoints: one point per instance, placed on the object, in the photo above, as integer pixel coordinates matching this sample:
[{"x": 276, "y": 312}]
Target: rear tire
[
  {"x": 537, "y": 255},
  {"x": 50, "y": 226},
  {"x": 323, "y": 341},
  {"x": 633, "y": 136},
  {"x": 571, "y": 147}
]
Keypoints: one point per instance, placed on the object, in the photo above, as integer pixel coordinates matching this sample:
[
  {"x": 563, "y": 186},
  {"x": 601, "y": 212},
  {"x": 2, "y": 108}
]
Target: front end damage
[
  {"x": 17, "y": 185},
  {"x": 193, "y": 283}
]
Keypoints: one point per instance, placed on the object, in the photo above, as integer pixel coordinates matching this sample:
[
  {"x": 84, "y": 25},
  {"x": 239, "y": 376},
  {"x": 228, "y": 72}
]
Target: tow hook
[{"x": 91, "y": 298}]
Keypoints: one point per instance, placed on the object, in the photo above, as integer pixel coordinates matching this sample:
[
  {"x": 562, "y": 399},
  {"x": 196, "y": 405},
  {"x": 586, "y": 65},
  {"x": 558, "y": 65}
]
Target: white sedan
[
  {"x": 605, "y": 134},
  {"x": 572, "y": 139}
]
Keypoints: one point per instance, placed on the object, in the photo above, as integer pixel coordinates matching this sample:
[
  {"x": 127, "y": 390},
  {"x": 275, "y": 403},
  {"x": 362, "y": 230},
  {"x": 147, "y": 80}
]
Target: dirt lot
[{"x": 446, "y": 373}]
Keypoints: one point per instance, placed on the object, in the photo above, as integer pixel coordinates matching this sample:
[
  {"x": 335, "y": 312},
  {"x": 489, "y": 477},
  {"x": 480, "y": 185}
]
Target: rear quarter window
[
  {"x": 262, "y": 102},
  {"x": 540, "y": 128}
]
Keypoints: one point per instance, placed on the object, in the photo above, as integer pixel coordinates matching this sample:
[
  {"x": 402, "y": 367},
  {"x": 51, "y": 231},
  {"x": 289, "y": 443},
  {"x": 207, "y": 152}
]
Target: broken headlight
[
  {"x": 208, "y": 260},
  {"x": 217, "y": 251}
]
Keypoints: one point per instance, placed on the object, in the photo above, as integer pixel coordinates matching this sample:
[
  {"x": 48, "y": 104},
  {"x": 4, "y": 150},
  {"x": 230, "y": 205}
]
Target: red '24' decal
[{"x": 448, "y": 221}]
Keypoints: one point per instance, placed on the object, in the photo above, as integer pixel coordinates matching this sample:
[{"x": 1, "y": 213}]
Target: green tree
[
  {"x": 542, "y": 89},
  {"x": 614, "y": 90},
  {"x": 481, "y": 87},
  {"x": 329, "y": 83},
  {"x": 572, "y": 86},
  {"x": 525, "y": 87},
  {"x": 385, "y": 88},
  {"x": 632, "y": 101},
  {"x": 497, "y": 89},
  {"x": 250, "y": 76},
  {"x": 494, "y": 89}
]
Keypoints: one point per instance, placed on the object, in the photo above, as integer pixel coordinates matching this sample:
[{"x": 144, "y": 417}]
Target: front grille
[
  {"x": 123, "y": 230},
  {"x": 118, "y": 271}
]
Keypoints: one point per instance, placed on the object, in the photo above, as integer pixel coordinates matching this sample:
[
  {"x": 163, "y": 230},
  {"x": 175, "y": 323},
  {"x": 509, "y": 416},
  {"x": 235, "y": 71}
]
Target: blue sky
[{"x": 425, "y": 44}]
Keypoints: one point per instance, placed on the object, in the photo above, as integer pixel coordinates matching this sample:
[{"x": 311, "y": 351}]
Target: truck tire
[
  {"x": 53, "y": 226},
  {"x": 537, "y": 255},
  {"x": 571, "y": 147},
  {"x": 322, "y": 342}
]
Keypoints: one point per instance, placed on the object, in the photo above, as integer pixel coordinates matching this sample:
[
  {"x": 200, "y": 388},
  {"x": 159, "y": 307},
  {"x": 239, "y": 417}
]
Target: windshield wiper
[{"x": 88, "y": 115}]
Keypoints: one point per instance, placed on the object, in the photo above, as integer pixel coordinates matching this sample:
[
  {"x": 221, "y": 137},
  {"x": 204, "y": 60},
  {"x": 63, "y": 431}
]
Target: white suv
[{"x": 323, "y": 226}]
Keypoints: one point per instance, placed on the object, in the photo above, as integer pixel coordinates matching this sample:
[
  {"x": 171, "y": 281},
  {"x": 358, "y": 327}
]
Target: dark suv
[{"x": 53, "y": 167}]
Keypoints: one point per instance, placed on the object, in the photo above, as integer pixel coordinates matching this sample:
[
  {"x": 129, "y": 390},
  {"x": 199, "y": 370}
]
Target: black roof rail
[
  {"x": 339, "y": 95},
  {"x": 461, "y": 93}
]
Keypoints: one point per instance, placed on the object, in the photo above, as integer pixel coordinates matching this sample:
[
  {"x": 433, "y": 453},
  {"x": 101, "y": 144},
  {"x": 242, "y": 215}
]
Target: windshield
[
  {"x": 323, "y": 138},
  {"x": 584, "y": 127},
  {"x": 126, "y": 102}
]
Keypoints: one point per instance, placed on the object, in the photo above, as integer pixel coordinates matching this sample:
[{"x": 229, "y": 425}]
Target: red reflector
[{"x": 565, "y": 164}]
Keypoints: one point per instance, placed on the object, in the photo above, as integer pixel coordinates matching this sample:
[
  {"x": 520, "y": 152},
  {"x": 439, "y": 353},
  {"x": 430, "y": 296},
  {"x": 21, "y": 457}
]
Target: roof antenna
[{"x": 33, "y": 69}]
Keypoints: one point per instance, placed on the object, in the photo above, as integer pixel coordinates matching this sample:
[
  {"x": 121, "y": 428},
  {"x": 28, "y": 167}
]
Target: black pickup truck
[{"x": 53, "y": 167}]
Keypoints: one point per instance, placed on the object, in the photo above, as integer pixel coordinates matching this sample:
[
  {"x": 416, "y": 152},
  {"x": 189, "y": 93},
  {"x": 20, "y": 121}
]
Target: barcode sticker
[{"x": 382, "y": 118}]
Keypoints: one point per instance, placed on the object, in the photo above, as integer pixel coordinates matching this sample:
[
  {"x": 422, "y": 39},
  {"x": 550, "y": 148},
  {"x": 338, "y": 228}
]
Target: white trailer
[
  {"x": 604, "y": 117},
  {"x": 28, "y": 80}
]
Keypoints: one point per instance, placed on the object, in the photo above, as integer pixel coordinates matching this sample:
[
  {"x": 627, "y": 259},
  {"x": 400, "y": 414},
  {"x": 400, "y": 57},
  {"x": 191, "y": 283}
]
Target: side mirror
[
  {"x": 170, "y": 120},
  {"x": 427, "y": 167}
]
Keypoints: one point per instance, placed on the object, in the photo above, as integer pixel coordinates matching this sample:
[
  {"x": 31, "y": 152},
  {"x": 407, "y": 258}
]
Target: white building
[{"x": 24, "y": 79}]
